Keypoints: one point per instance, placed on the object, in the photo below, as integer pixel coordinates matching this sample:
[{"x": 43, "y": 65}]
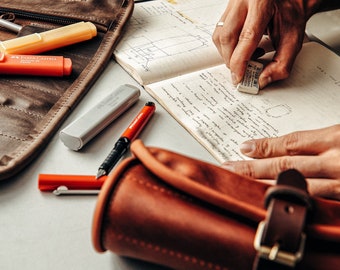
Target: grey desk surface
[
  {"x": 325, "y": 28},
  {"x": 42, "y": 231}
]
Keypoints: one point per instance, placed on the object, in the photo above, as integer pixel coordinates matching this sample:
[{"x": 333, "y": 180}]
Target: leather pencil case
[
  {"x": 32, "y": 108},
  {"x": 173, "y": 210}
]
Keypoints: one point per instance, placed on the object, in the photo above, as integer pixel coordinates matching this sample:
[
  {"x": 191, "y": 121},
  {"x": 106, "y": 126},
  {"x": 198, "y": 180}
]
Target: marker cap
[
  {"x": 36, "y": 65},
  {"x": 67, "y": 66}
]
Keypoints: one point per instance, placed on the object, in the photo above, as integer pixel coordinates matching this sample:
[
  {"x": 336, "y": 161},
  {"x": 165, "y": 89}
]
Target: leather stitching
[
  {"x": 158, "y": 249},
  {"x": 162, "y": 189},
  {"x": 12, "y": 137}
]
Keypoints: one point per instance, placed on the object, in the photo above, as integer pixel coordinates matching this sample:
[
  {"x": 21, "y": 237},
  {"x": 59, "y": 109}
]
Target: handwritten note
[{"x": 220, "y": 117}]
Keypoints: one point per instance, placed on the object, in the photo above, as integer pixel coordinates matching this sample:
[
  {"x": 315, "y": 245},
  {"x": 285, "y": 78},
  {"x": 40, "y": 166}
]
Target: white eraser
[
  {"x": 82, "y": 130},
  {"x": 250, "y": 81}
]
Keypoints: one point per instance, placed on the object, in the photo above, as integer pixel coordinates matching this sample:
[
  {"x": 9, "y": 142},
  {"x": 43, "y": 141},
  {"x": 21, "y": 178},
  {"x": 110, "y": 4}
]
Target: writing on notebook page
[{"x": 221, "y": 118}]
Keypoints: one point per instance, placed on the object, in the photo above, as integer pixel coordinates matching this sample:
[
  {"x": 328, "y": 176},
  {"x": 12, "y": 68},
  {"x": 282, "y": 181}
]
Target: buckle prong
[{"x": 274, "y": 253}]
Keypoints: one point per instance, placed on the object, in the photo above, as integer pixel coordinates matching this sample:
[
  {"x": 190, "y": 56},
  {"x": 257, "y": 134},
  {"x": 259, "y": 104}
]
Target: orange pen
[
  {"x": 39, "y": 65},
  {"x": 70, "y": 184},
  {"x": 126, "y": 138}
]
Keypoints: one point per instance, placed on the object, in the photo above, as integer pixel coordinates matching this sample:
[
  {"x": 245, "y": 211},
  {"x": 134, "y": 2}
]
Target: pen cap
[{"x": 49, "y": 40}]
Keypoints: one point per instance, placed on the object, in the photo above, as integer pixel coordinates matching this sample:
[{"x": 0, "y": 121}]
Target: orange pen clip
[{"x": 70, "y": 184}]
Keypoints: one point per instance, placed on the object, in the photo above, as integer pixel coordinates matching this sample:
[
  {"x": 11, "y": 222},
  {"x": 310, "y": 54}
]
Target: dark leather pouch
[{"x": 32, "y": 108}]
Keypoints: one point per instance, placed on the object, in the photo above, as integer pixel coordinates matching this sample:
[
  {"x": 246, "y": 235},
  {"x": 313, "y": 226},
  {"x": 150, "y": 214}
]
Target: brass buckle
[{"x": 274, "y": 253}]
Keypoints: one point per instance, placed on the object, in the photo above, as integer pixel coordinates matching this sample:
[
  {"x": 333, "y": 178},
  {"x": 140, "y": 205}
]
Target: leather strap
[{"x": 280, "y": 237}]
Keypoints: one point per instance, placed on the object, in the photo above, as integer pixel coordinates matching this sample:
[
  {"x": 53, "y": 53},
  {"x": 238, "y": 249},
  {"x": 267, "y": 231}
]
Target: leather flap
[
  {"x": 207, "y": 182},
  {"x": 228, "y": 190}
]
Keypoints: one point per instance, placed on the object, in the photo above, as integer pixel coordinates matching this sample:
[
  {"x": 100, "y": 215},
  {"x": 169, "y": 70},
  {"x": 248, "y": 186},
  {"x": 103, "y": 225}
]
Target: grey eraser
[
  {"x": 250, "y": 81},
  {"x": 82, "y": 130}
]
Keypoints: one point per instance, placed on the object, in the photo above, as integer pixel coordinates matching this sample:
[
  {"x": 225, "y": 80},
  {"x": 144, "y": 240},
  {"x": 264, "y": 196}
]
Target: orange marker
[
  {"x": 39, "y": 65},
  {"x": 49, "y": 40},
  {"x": 70, "y": 184}
]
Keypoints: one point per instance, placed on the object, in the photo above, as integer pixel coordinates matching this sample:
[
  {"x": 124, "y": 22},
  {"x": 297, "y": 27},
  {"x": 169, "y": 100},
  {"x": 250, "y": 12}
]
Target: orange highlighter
[
  {"x": 49, "y": 40},
  {"x": 40, "y": 65}
]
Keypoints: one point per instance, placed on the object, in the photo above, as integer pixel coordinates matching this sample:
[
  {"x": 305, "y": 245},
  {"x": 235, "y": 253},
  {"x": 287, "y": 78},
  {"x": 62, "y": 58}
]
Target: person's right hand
[
  {"x": 315, "y": 153},
  {"x": 246, "y": 21}
]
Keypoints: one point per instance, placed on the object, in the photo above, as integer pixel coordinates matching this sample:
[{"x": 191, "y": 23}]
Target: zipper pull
[{"x": 10, "y": 26}]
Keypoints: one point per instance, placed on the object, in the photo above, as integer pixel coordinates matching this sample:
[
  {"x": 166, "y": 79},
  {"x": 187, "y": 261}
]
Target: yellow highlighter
[{"x": 49, "y": 40}]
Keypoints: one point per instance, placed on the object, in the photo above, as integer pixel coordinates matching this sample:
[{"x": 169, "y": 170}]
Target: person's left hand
[{"x": 315, "y": 153}]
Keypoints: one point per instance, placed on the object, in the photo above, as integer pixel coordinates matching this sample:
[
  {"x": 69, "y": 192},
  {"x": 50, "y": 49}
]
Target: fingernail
[
  {"x": 234, "y": 78},
  {"x": 228, "y": 166},
  {"x": 265, "y": 81},
  {"x": 247, "y": 147}
]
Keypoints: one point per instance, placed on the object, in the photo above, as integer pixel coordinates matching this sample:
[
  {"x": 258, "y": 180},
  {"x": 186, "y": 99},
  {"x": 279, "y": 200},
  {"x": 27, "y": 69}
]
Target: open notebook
[{"x": 168, "y": 49}]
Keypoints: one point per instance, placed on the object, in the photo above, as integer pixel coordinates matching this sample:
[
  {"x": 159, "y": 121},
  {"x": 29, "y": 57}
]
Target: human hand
[
  {"x": 245, "y": 23},
  {"x": 315, "y": 153}
]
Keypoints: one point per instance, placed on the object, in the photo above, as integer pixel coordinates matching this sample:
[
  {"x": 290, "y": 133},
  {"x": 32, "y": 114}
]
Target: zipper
[
  {"x": 48, "y": 18},
  {"x": 39, "y": 17}
]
